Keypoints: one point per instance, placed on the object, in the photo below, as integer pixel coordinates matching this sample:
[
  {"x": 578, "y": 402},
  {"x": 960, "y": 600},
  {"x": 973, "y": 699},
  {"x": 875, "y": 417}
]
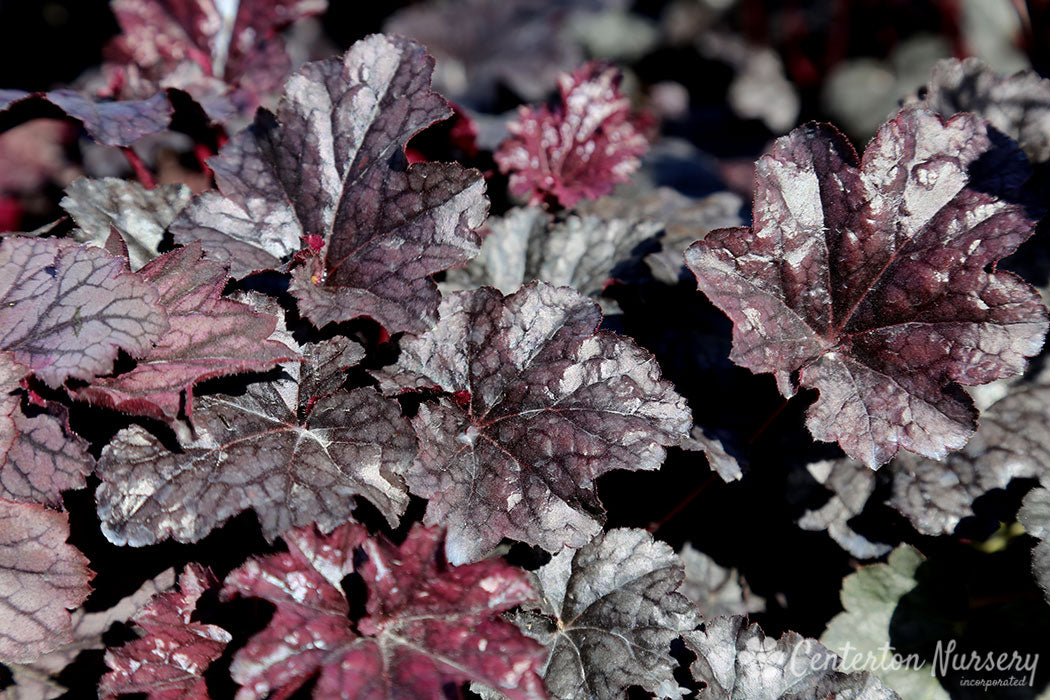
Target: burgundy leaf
[
  {"x": 44, "y": 460},
  {"x": 119, "y": 123},
  {"x": 139, "y": 216},
  {"x": 609, "y": 612},
  {"x": 65, "y": 310},
  {"x": 543, "y": 406},
  {"x": 582, "y": 148},
  {"x": 272, "y": 448},
  {"x": 209, "y": 337},
  {"x": 869, "y": 281},
  {"x": 168, "y": 662},
  {"x": 40, "y": 577},
  {"x": 225, "y": 59},
  {"x": 426, "y": 625}
]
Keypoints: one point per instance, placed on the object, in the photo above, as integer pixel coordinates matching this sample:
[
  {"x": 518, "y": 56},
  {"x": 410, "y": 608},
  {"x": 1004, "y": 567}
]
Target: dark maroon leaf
[
  {"x": 581, "y": 149},
  {"x": 65, "y": 310},
  {"x": 169, "y": 661},
  {"x": 40, "y": 578},
  {"x": 427, "y": 626},
  {"x": 543, "y": 406},
  {"x": 119, "y": 123},
  {"x": 609, "y": 613},
  {"x": 736, "y": 661},
  {"x": 868, "y": 280},
  {"x": 270, "y": 448},
  {"x": 382, "y": 227},
  {"x": 209, "y": 336},
  {"x": 228, "y": 56},
  {"x": 139, "y": 216}
]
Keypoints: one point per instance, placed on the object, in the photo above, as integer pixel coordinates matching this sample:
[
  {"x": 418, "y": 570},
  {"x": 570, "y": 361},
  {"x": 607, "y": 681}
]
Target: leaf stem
[
  {"x": 142, "y": 173},
  {"x": 657, "y": 524}
]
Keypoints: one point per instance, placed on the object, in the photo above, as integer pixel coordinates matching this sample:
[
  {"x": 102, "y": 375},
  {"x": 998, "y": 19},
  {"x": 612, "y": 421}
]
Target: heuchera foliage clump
[{"x": 416, "y": 403}]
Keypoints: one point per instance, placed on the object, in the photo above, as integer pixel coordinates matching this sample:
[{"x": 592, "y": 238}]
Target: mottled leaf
[
  {"x": 229, "y": 56},
  {"x": 868, "y": 282},
  {"x": 427, "y": 626},
  {"x": 851, "y": 484},
  {"x": 528, "y": 244},
  {"x": 270, "y": 448},
  {"x": 1017, "y": 105},
  {"x": 538, "y": 406},
  {"x": 111, "y": 123},
  {"x": 209, "y": 336},
  {"x": 722, "y": 463},
  {"x": 609, "y": 613},
  {"x": 140, "y": 216},
  {"x": 40, "y": 578},
  {"x": 1035, "y": 516},
  {"x": 378, "y": 227},
  {"x": 581, "y": 148},
  {"x": 169, "y": 660},
  {"x": 717, "y": 591},
  {"x": 870, "y": 597},
  {"x": 736, "y": 661},
  {"x": 65, "y": 310}
]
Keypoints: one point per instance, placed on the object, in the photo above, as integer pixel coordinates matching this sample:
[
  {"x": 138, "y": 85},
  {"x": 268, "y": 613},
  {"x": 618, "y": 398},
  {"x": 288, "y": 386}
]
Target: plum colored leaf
[
  {"x": 378, "y": 227},
  {"x": 869, "y": 598},
  {"x": 427, "y": 625},
  {"x": 169, "y": 660},
  {"x": 851, "y": 484},
  {"x": 1017, "y": 105},
  {"x": 43, "y": 460},
  {"x": 736, "y": 661},
  {"x": 209, "y": 336},
  {"x": 110, "y": 123},
  {"x": 609, "y": 613},
  {"x": 867, "y": 281},
  {"x": 229, "y": 56},
  {"x": 40, "y": 577},
  {"x": 40, "y": 680},
  {"x": 272, "y": 448},
  {"x": 65, "y": 309},
  {"x": 715, "y": 590},
  {"x": 528, "y": 244},
  {"x": 140, "y": 216},
  {"x": 1035, "y": 516},
  {"x": 542, "y": 406},
  {"x": 582, "y": 148}
]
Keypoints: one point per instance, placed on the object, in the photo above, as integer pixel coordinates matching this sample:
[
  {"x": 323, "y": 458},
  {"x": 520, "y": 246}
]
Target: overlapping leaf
[
  {"x": 427, "y": 626},
  {"x": 380, "y": 226},
  {"x": 65, "y": 310},
  {"x": 715, "y": 590},
  {"x": 609, "y": 613},
  {"x": 543, "y": 406},
  {"x": 169, "y": 660},
  {"x": 140, "y": 216},
  {"x": 868, "y": 280},
  {"x": 228, "y": 56},
  {"x": 41, "y": 577},
  {"x": 851, "y": 484},
  {"x": 294, "y": 457},
  {"x": 209, "y": 336},
  {"x": 581, "y": 149},
  {"x": 736, "y": 661},
  {"x": 119, "y": 123}
]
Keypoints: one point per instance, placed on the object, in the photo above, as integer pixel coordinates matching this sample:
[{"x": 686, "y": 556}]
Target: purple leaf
[
  {"x": 44, "y": 460},
  {"x": 293, "y": 460},
  {"x": 427, "y": 625},
  {"x": 610, "y": 611},
  {"x": 40, "y": 577},
  {"x": 65, "y": 310},
  {"x": 119, "y": 123},
  {"x": 227, "y": 60},
  {"x": 868, "y": 280},
  {"x": 544, "y": 406},
  {"x": 379, "y": 227},
  {"x": 582, "y": 148},
  {"x": 209, "y": 336},
  {"x": 139, "y": 216},
  {"x": 169, "y": 661}
]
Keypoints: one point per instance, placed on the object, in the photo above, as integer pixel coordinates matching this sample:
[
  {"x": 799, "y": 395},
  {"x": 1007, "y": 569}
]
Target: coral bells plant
[{"x": 345, "y": 423}]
